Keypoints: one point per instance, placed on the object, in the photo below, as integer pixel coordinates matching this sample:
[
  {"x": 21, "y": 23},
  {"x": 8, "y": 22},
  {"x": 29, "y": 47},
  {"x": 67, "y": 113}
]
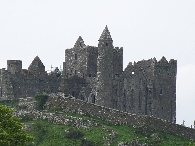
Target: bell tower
[{"x": 104, "y": 69}]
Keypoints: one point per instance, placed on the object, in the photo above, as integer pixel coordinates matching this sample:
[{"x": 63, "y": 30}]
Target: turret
[
  {"x": 105, "y": 69},
  {"x": 14, "y": 66}
]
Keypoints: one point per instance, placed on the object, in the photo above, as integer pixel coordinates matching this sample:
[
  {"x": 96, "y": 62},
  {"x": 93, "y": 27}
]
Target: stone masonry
[
  {"x": 95, "y": 74},
  {"x": 17, "y": 82}
]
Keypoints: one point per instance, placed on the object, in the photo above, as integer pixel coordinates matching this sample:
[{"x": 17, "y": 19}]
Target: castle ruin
[{"x": 96, "y": 75}]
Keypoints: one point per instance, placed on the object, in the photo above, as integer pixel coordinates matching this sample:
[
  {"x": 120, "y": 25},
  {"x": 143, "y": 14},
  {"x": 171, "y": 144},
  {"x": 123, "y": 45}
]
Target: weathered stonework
[
  {"x": 117, "y": 117},
  {"x": 95, "y": 74},
  {"x": 17, "y": 82}
]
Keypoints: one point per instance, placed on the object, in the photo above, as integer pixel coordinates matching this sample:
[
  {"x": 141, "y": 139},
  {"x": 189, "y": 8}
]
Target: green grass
[
  {"x": 54, "y": 135},
  {"x": 49, "y": 134}
]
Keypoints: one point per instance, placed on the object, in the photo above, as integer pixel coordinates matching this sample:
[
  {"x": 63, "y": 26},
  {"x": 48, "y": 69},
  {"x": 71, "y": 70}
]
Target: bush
[
  {"x": 86, "y": 142},
  {"x": 41, "y": 100},
  {"x": 72, "y": 133},
  {"x": 41, "y": 130},
  {"x": 11, "y": 133},
  {"x": 25, "y": 118}
]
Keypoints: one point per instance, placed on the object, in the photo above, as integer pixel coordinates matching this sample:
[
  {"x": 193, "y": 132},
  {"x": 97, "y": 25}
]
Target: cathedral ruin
[{"x": 96, "y": 75}]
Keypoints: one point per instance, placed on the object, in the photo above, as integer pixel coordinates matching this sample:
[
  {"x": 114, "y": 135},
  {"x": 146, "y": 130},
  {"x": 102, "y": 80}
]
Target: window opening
[
  {"x": 93, "y": 98},
  {"x": 75, "y": 56},
  {"x": 161, "y": 91}
]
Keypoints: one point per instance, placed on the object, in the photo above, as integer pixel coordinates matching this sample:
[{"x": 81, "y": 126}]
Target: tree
[
  {"x": 11, "y": 133},
  {"x": 41, "y": 100}
]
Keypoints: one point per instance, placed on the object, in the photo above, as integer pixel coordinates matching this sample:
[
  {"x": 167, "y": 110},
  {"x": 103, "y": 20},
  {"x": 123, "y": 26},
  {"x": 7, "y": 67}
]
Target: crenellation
[
  {"x": 17, "y": 82},
  {"x": 95, "y": 74},
  {"x": 143, "y": 88}
]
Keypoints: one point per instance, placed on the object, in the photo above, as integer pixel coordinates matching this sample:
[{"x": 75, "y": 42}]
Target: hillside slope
[{"x": 64, "y": 127}]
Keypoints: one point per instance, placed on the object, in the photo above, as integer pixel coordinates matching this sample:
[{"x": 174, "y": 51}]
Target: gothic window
[
  {"x": 106, "y": 44},
  {"x": 75, "y": 72},
  {"x": 89, "y": 75}
]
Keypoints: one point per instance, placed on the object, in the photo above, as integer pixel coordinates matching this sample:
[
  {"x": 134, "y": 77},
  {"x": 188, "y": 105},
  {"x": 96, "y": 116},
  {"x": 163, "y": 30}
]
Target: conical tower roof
[
  {"x": 80, "y": 43},
  {"x": 105, "y": 34}
]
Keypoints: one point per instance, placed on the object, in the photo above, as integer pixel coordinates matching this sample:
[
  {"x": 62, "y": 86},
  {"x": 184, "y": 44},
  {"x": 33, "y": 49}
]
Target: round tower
[{"x": 104, "y": 69}]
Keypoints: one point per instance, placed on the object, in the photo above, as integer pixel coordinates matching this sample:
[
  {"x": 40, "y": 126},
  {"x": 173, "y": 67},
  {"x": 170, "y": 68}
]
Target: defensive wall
[{"x": 117, "y": 117}]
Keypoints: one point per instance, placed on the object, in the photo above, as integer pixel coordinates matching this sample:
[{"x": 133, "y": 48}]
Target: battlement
[
  {"x": 95, "y": 74},
  {"x": 14, "y": 66}
]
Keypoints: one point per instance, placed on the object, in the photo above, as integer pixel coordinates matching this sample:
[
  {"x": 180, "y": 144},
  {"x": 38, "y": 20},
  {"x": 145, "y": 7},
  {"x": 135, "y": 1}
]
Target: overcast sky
[{"x": 144, "y": 28}]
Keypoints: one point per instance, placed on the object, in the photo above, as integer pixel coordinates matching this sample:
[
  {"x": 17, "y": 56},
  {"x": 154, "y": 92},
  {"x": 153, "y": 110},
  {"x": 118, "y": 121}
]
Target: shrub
[
  {"x": 86, "y": 142},
  {"x": 41, "y": 100},
  {"x": 72, "y": 133},
  {"x": 41, "y": 129}
]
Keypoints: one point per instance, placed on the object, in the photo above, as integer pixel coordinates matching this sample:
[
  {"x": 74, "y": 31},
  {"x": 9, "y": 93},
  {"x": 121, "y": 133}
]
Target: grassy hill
[{"x": 80, "y": 130}]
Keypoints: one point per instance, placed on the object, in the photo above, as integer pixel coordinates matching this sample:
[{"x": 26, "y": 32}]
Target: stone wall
[
  {"x": 117, "y": 117},
  {"x": 146, "y": 87},
  {"x": 17, "y": 82},
  {"x": 150, "y": 88}
]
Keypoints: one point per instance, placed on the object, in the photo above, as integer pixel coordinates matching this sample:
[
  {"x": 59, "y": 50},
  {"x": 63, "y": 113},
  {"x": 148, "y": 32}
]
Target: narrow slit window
[
  {"x": 75, "y": 56},
  {"x": 161, "y": 91}
]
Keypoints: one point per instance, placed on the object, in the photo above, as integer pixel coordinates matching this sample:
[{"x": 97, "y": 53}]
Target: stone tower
[
  {"x": 107, "y": 68},
  {"x": 14, "y": 66},
  {"x": 80, "y": 67},
  {"x": 95, "y": 74}
]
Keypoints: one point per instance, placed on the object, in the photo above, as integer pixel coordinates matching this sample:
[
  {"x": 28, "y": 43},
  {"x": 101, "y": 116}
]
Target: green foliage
[
  {"x": 11, "y": 133},
  {"x": 40, "y": 129},
  {"x": 86, "y": 142},
  {"x": 53, "y": 134},
  {"x": 10, "y": 102},
  {"x": 25, "y": 118},
  {"x": 73, "y": 133},
  {"x": 41, "y": 100}
]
